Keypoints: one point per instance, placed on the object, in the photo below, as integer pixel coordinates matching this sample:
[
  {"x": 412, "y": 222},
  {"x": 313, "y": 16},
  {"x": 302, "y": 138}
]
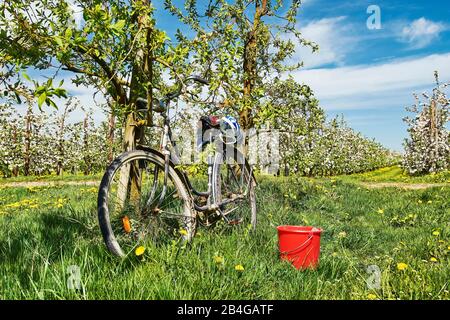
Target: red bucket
[{"x": 300, "y": 245}]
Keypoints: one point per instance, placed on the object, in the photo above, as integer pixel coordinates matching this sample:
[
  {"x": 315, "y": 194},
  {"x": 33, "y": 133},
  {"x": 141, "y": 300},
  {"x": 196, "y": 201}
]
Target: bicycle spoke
[{"x": 148, "y": 214}]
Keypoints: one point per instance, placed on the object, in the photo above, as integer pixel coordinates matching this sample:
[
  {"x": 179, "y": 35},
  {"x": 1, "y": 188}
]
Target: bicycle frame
[{"x": 166, "y": 152}]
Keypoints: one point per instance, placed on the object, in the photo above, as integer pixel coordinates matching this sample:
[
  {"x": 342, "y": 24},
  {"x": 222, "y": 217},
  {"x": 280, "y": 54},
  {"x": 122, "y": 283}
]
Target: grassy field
[
  {"x": 52, "y": 178},
  {"x": 396, "y": 174},
  {"x": 406, "y": 233}
]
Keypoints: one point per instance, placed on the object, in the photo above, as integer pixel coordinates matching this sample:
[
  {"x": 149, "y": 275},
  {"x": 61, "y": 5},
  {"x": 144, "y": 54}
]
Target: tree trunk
[
  {"x": 15, "y": 170},
  {"x": 434, "y": 135},
  {"x": 250, "y": 71},
  {"x": 110, "y": 137},
  {"x": 86, "y": 159},
  {"x": 130, "y": 176},
  {"x": 59, "y": 165},
  {"x": 27, "y": 155}
]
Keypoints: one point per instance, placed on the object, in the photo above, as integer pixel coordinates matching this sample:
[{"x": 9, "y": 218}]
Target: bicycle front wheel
[{"x": 138, "y": 205}]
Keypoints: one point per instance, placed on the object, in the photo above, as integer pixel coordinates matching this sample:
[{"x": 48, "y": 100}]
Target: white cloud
[
  {"x": 421, "y": 32},
  {"x": 371, "y": 86},
  {"x": 334, "y": 37}
]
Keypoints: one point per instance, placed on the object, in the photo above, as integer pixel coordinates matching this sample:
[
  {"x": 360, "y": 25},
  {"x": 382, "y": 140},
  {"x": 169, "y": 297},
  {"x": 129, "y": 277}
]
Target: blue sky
[{"x": 369, "y": 76}]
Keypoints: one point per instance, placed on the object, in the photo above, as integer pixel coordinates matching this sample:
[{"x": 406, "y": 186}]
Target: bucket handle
[{"x": 300, "y": 246}]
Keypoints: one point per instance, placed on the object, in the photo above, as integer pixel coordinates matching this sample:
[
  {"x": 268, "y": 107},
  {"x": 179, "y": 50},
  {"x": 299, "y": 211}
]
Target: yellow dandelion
[
  {"x": 219, "y": 259},
  {"x": 448, "y": 248},
  {"x": 380, "y": 211},
  {"x": 419, "y": 202},
  {"x": 342, "y": 234},
  {"x": 239, "y": 267},
  {"x": 436, "y": 233},
  {"x": 430, "y": 202},
  {"x": 14, "y": 205},
  {"x": 402, "y": 266},
  {"x": 60, "y": 203},
  {"x": 433, "y": 259},
  {"x": 183, "y": 232},
  {"x": 139, "y": 251},
  {"x": 371, "y": 296}
]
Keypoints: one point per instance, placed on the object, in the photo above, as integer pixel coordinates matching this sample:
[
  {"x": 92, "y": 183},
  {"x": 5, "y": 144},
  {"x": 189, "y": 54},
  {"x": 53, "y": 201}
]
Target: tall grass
[{"x": 47, "y": 230}]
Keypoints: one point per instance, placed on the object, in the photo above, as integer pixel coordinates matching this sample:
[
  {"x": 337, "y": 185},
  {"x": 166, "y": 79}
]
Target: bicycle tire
[
  {"x": 219, "y": 160},
  {"x": 102, "y": 201}
]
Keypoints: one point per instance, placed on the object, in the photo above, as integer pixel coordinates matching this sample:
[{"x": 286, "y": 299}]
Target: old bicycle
[{"x": 145, "y": 196}]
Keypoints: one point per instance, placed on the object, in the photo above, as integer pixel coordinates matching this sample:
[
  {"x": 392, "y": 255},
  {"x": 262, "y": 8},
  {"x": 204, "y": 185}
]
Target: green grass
[
  {"x": 396, "y": 174},
  {"x": 42, "y": 236},
  {"x": 53, "y": 178}
]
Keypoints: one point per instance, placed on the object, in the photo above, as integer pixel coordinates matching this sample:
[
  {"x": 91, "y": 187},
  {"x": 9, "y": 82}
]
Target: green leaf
[
  {"x": 26, "y": 76},
  {"x": 40, "y": 89},
  {"x": 68, "y": 33},
  {"x": 118, "y": 26},
  {"x": 58, "y": 41},
  {"x": 42, "y": 99},
  {"x": 52, "y": 103}
]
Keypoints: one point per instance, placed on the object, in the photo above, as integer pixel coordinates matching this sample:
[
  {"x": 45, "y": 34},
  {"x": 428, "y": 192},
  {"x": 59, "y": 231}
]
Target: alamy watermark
[
  {"x": 74, "y": 278},
  {"x": 374, "y": 20},
  {"x": 263, "y": 145},
  {"x": 374, "y": 279}
]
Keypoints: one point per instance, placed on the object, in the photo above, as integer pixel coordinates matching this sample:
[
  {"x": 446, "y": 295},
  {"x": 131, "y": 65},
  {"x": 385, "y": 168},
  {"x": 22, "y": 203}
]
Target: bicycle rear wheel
[
  {"x": 136, "y": 206},
  {"x": 233, "y": 179}
]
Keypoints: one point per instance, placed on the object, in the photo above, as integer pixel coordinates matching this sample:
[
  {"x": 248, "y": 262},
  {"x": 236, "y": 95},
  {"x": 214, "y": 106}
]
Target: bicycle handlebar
[
  {"x": 198, "y": 79},
  {"x": 177, "y": 93}
]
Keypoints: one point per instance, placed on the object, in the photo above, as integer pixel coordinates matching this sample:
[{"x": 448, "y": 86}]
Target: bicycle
[{"x": 144, "y": 196}]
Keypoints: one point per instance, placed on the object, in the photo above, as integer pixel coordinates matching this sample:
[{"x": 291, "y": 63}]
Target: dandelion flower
[
  {"x": 433, "y": 259},
  {"x": 402, "y": 266},
  {"x": 183, "y": 232},
  {"x": 139, "y": 251},
  {"x": 380, "y": 211},
  {"x": 342, "y": 234},
  {"x": 436, "y": 233},
  {"x": 419, "y": 202},
  {"x": 239, "y": 267},
  {"x": 371, "y": 296},
  {"x": 219, "y": 259},
  {"x": 430, "y": 202},
  {"x": 60, "y": 203}
]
